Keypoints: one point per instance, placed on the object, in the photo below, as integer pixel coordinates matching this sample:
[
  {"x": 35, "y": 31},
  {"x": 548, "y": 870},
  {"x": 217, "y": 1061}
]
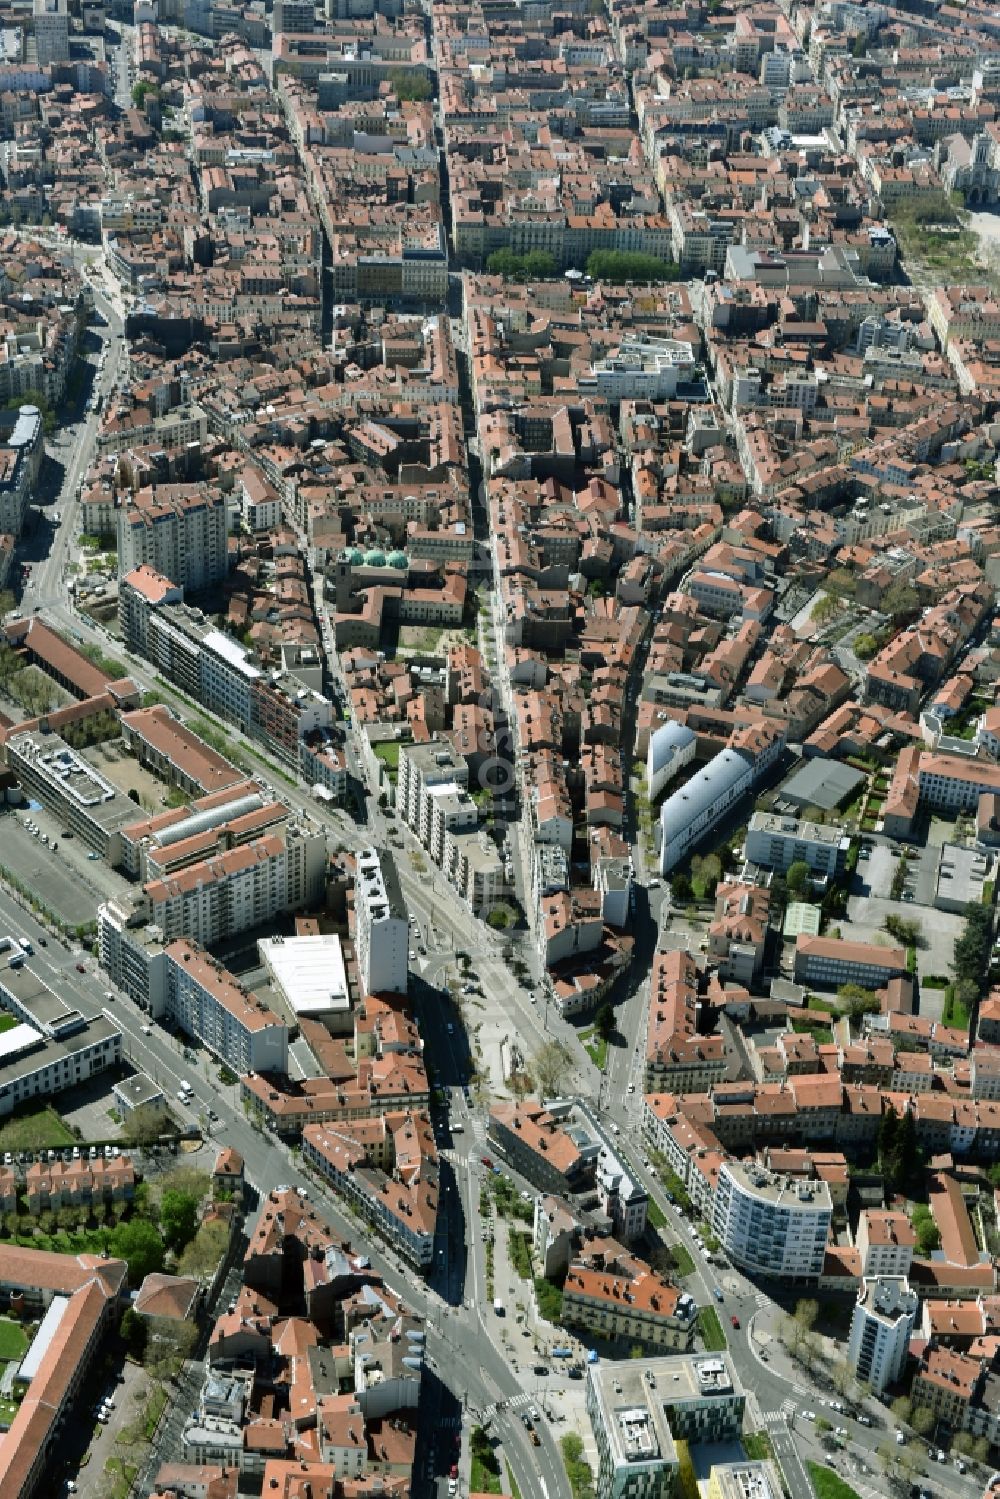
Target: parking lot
[
  {"x": 130, "y": 1397},
  {"x": 869, "y": 906},
  {"x": 89, "y": 1107},
  {"x": 65, "y": 881}
]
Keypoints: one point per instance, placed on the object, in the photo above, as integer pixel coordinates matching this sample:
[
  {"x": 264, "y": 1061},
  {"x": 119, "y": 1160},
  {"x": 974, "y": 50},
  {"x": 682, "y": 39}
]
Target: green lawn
[
  {"x": 13, "y": 1343},
  {"x": 154, "y": 1410},
  {"x": 388, "y": 753},
  {"x": 757, "y": 1446},
  {"x": 655, "y": 1216},
  {"x": 8, "y": 1410},
  {"x": 822, "y": 1033},
  {"x": 34, "y": 1129},
  {"x": 710, "y": 1327},
  {"x": 683, "y": 1263},
  {"x": 829, "y": 1485},
  {"x": 122, "y": 1477},
  {"x": 7, "y": 1022},
  {"x": 419, "y": 638},
  {"x": 549, "y": 1298},
  {"x": 517, "y": 1244},
  {"x": 484, "y": 1475},
  {"x": 954, "y": 1013},
  {"x": 597, "y": 1050}
]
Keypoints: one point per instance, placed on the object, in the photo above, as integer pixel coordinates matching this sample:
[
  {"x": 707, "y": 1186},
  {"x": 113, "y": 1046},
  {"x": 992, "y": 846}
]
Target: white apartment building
[
  {"x": 432, "y": 797},
  {"x": 208, "y": 901},
  {"x": 426, "y": 771},
  {"x": 205, "y": 1000},
  {"x": 382, "y": 928},
  {"x": 260, "y": 503},
  {"x": 474, "y": 867},
  {"x": 881, "y": 1328},
  {"x": 450, "y": 810},
  {"x": 772, "y": 1225},
  {"x": 885, "y": 1242},
  {"x": 181, "y": 535},
  {"x": 643, "y": 368},
  {"x": 778, "y": 842},
  {"x": 241, "y": 888},
  {"x": 25, "y": 444}
]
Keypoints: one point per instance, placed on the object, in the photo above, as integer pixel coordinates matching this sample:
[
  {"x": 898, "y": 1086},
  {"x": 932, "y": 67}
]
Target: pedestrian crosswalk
[
  {"x": 779, "y": 1417},
  {"x": 515, "y": 1403}
]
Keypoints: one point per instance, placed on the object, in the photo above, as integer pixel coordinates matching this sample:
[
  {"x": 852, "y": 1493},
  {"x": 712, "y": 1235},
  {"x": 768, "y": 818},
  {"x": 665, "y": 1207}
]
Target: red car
[
  {"x": 735, "y": 1321},
  {"x": 487, "y": 1162},
  {"x": 454, "y": 1471}
]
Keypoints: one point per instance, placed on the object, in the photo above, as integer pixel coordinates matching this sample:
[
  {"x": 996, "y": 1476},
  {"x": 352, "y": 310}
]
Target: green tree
[
  {"x": 927, "y": 1232},
  {"x": 824, "y": 609},
  {"x": 906, "y": 1155},
  {"x": 144, "y": 1126},
  {"x": 536, "y": 265},
  {"x": 865, "y": 646},
  {"x": 206, "y": 1249},
  {"x": 178, "y": 1219},
  {"x": 900, "y": 601},
  {"x": 135, "y": 1332},
  {"x": 141, "y": 1247},
  {"x": 620, "y": 266},
  {"x": 858, "y": 1001},
  {"x": 680, "y": 887},
  {"x": 797, "y": 878},
  {"x": 551, "y": 1065},
  {"x": 706, "y": 870},
  {"x": 806, "y": 1314},
  {"x": 923, "y": 1420},
  {"x": 410, "y": 85},
  {"x": 972, "y": 948},
  {"x": 141, "y": 90},
  {"x": 842, "y": 1376},
  {"x": 604, "y": 1022}
]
